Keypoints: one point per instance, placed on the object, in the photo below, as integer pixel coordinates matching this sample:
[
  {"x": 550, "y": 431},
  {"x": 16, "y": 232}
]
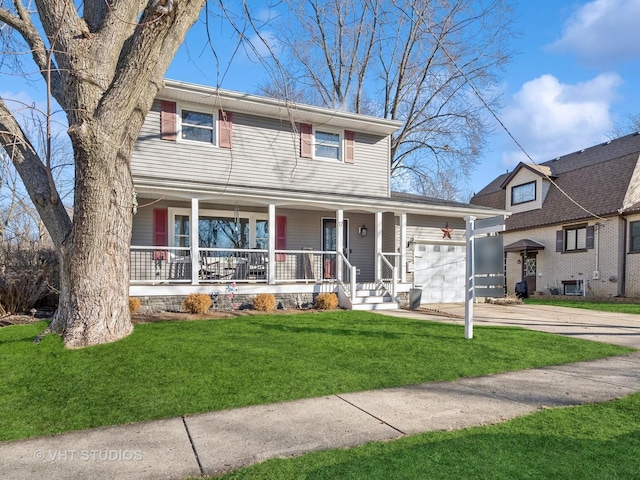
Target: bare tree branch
[{"x": 34, "y": 175}]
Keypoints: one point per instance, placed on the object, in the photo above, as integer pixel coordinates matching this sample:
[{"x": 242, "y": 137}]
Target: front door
[
  {"x": 529, "y": 271},
  {"x": 329, "y": 232}
]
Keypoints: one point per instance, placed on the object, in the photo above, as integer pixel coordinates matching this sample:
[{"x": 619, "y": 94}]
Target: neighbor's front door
[{"x": 529, "y": 271}]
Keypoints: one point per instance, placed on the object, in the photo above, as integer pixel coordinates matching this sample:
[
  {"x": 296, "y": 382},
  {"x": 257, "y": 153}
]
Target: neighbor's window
[
  {"x": 197, "y": 126},
  {"x": 575, "y": 239},
  {"x": 634, "y": 240},
  {"x": 327, "y": 145},
  {"x": 523, "y": 193}
]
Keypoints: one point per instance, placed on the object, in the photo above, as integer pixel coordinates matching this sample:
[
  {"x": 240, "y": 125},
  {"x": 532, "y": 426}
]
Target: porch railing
[
  {"x": 389, "y": 270},
  {"x": 220, "y": 265}
]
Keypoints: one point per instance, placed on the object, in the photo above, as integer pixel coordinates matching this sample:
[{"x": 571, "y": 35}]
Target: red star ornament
[{"x": 446, "y": 231}]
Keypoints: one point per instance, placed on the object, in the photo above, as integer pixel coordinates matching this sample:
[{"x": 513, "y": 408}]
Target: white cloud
[
  {"x": 602, "y": 32},
  {"x": 549, "y": 118}
]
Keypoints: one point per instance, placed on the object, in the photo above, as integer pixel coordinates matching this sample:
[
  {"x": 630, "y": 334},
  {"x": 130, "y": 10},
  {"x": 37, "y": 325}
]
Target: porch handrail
[
  {"x": 394, "y": 275},
  {"x": 352, "y": 277}
]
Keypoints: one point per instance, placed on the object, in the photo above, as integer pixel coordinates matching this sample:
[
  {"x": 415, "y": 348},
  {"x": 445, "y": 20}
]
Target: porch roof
[
  {"x": 524, "y": 245},
  {"x": 231, "y": 194}
]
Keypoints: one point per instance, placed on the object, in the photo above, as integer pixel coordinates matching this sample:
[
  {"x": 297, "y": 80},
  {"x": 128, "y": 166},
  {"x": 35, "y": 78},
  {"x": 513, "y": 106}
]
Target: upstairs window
[
  {"x": 327, "y": 145},
  {"x": 523, "y": 193},
  {"x": 197, "y": 126},
  {"x": 193, "y": 125}
]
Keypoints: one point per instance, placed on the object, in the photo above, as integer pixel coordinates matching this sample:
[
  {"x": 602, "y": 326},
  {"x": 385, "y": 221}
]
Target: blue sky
[{"x": 575, "y": 75}]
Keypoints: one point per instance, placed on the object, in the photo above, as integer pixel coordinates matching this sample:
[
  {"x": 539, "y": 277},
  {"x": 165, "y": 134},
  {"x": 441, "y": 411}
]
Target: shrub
[
  {"x": 326, "y": 301},
  {"x": 27, "y": 275},
  {"x": 264, "y": 302},
  {"x": 134, "y": 305},
  {"x": 197, "y": 303}
]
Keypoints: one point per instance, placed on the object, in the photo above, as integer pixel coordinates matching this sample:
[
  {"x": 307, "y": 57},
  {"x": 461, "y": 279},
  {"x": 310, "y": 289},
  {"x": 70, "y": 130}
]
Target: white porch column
[
  {"x": 339, "y": 242},
  {"x": 271, "y": 270},
  {"x": 403, "y": 247},
  {"x": 378, "y": 245},
  {"x": 194, "y": 237}
]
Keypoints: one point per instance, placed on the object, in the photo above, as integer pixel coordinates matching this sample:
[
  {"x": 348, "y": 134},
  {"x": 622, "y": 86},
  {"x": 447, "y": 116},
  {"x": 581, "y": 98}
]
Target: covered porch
[{"x": 258, "y": 245}]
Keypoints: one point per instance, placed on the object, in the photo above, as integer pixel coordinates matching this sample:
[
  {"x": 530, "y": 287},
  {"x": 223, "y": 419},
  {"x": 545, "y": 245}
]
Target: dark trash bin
[
  {"x": 415, "y": 295},
  {"x": 522, "y": 290}
]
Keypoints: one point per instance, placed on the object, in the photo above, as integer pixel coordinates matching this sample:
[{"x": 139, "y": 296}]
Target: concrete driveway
[{"x": 616, "y": 328}]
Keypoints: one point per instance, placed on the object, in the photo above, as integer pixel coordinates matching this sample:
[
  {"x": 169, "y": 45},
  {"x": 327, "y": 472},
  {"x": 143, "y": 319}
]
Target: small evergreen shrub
[
  {"x": 196, "y": 303},
  {"x": 264, "y": 302},
  {"x": 326, "y": 301},
  {"x": 134, "y": 305}
]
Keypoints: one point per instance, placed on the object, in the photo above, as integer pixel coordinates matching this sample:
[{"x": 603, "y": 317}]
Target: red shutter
[
  {"x": 349, "y": 142},
  {"x": 305, "y": 140},
  {"x": 168, "y": 121},
  {"x": 281, "y": 237},
  {"x": 160, "y": 232},
  {"x": 225, "y": 126}
]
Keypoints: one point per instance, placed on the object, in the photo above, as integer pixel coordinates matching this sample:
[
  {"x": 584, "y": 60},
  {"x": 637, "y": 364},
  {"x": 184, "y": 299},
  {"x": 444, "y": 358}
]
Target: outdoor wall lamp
[{"x": 363, "y": 231}]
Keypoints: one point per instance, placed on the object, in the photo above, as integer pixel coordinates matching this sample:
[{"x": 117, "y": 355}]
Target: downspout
[{"x": 622, "y": 281}]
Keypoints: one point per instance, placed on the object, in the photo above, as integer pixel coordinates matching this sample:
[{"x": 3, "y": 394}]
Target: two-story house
[
  {"x": 289, "y": 199},
  {"x": 575, "y": 223}
]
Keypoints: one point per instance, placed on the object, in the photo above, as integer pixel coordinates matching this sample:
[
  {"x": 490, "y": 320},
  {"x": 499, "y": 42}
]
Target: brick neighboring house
[{"x": 575, "y": 223}]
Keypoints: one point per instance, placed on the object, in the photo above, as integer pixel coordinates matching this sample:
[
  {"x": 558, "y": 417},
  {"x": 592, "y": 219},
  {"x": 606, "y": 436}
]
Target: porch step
[
  {"x": 374, "y": 302},
  {"x": 389, "y": 305},
  {"x": 369, "y": 293}
]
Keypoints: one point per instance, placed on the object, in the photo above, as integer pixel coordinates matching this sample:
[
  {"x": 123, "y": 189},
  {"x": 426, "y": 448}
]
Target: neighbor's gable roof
[
  {"x": 597, "y": 178},
  {"x": 541, "y": 170}
]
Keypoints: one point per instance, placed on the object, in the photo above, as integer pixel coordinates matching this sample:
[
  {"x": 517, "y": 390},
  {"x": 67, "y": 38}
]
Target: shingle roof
[{"x": 596, "y": 178}]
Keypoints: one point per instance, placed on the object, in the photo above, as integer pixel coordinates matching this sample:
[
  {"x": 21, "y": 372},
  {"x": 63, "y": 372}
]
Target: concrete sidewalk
[{"x": 214, "y": 442}]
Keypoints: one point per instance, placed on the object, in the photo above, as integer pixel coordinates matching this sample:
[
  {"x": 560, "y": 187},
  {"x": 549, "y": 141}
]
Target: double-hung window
[
  {"x": 327, "y": 145},
  {"x": 197, "y": 126}
]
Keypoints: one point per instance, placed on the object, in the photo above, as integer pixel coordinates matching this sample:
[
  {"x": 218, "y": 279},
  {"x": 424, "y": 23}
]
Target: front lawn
[
  {"x": 586, "y": 304},
  {"x": 167, "y": 369},
  {"x": 599, "y": 441}
]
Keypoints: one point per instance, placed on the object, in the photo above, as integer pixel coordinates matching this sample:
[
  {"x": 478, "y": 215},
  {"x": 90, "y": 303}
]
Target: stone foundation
[{"x": 222, "y": 302}]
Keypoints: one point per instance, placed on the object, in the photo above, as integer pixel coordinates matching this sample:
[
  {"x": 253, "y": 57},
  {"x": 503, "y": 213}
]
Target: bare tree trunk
[{"x": 94, "y": 259}]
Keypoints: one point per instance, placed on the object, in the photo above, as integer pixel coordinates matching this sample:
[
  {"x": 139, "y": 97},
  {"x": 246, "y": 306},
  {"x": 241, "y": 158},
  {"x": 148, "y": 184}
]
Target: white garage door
[{"x": 440, "y": 272}]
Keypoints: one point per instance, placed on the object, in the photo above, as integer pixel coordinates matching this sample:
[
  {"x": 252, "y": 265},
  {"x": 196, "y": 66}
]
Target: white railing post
[{"x": 353, "y": 284}]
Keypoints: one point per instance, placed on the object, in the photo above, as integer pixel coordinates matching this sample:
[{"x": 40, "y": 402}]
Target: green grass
[
  {"x": 602, "y": 306},
  {"x": 599, "y": 441},
  {"x": 167, "y": 369}
]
